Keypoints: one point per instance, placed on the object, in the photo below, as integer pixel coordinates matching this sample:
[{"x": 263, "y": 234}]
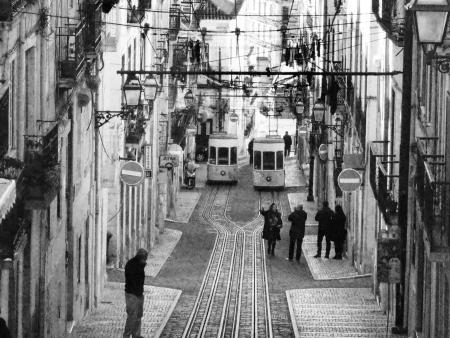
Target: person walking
[
  {"x": 297, "y": 232},
  {"x": 287, "y": 144},
  {"x": 250, "y": 150},
  {"x": 272, "y": 226},
  {"x": 324, "y": 216},
  {"x": 4, "y": 331},
  {"x": 338, "y": 233},
  {"x": 134, "y": 293}
]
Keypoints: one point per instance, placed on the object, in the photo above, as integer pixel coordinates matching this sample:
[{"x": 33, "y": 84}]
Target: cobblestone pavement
[
  {"x": 108, "y": 320},
  {"x": 186, "y": 202},
  {"x": 336, "y": 312},
  {"x": 294, "y": 177},
  {"x": 324, "y": 268}
]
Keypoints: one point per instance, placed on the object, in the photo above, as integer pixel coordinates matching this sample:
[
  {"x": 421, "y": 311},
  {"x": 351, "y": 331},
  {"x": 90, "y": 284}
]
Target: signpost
[
  {"x": 132, "y": 173},
  {"x": 234, "y": 117},
  {"x": 323, "y": 152},
  {"x": 349, "y": 180},
  {"x": 302, "y": 131},
  {"x": 168, "y": 161}
]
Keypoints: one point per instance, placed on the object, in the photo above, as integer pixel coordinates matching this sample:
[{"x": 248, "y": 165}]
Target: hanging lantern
[
  {"x": 83, "y": 97},
  {"x": 132, "y": 90}
]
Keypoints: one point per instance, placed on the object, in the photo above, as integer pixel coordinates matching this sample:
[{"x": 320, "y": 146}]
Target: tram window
[
  {"x": 233, "y": 155},
  {"x": 223, "y": 156},
  {"x": 257, "y": 160},
  {"x": 212, "y": 155},
  {"x": 268, "y": 160},
  {"x": 280, "y": 160}
]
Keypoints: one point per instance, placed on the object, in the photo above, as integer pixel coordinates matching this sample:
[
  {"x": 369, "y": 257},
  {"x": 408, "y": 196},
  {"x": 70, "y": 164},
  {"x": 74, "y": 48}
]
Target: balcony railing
[
  {"x": 135, "y": 129},
  {"x": 384, "y": 181},
  {"x": 174, "y": 21},
  {"x": 390, "y": 15},
  {"x": 93, "y": 30},
  {"x": 433, "y": 194},
  {"x": 42, "y": 171},
  {"x": 70, "y": 52}
]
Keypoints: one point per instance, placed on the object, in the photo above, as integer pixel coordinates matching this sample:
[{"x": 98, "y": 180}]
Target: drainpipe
[{"x": 404, "y": 180}]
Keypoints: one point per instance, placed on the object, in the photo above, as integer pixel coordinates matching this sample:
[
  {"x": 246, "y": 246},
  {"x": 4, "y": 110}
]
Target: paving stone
[
  {"x": 336, "y": 312},
  {"x": 108, "y": 320},
  {"x": 186, "y": 203},
  {"x": 323, "y": 268}
]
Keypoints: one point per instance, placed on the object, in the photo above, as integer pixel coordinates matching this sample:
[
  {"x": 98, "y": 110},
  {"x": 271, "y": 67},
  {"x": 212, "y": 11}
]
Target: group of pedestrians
[{"x": 331, "y": 227}]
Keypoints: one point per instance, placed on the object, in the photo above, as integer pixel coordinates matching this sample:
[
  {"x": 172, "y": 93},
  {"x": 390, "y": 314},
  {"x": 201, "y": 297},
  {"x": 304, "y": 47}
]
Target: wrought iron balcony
[
  {"x": 69, "y": 52},
  {"x": 390, "y": 16},
  {"x": 383, "y": 181},
  {"x": 93, "y": 30},
  {"x": 42, "y": 171},
  {"x": 433, "y": 194}
]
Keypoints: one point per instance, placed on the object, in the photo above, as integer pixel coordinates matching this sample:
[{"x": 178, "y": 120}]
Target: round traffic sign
[
  {"x": 132, "y": 173},
  {"x": 234, "y": 117},
  {"x": 302, "y": 131},
  {"x": 349, "y": 180},
  {"x": 323, "y": 152}
]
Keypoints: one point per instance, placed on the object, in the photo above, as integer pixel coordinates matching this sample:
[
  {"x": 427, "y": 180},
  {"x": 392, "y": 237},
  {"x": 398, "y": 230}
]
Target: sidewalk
[
  {"x": 186, "y": 202},
  {"x": 294, "y": 176},
  {"x": 108, "y": 320},
  {"x": 336, "y": 312}
]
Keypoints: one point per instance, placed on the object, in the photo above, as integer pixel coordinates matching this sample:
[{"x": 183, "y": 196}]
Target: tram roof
[
  {"x": 222, "y": 136},
  {"x": 269, "y": 139}
]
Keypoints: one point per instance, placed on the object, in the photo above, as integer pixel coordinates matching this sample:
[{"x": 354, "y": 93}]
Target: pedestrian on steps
[
  {"x": 272, "y": 226},
  {"x": 338, "y": 233},
  {"x": 324, "y": 216},
  {"x": 297, "y": 232},
  {"x": 134, "y": 293}
]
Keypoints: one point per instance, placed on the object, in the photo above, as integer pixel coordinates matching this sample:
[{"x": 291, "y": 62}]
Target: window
[
  {"x": 233, "y": 156},
  {"x": 212, "y": 155},
  {"x": 257, "y": 160},
  {"x": 280, "y": 160},
  {"x": 223, "y": 156},
  {"x": 269, "y": 160},
  {"x": 30, "y": 87}
]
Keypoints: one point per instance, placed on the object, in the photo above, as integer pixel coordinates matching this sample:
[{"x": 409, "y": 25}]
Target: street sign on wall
[
  {"x": 168, "y": 161},
  {"x": 132, "y": 173},
  {"x": 323, "y": 152},
  {"x": 349, "y": 180}
]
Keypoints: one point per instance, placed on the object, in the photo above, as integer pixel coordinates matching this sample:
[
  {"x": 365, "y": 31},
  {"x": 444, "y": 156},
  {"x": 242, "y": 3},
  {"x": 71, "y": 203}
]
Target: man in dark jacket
[
  {"x": 250, "y": 150},
  {"x": 134, "y": 293},
  {"x": 297, "y": 232},
  {"x": 287, "y": 144},
  {"x": 324, "y": 216}
]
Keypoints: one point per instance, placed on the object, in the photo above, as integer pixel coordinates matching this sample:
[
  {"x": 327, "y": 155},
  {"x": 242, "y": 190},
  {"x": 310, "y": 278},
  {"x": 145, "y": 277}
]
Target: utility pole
[
  {"x": 404, "y": 167},
  {"x": 219, "y": 105}
]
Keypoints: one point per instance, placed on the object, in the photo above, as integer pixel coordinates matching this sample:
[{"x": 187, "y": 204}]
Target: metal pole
[
  {"x": 310, "y": 196},
  {"x": 404, "y": 166},
  {"x": 219, "y": 105}
]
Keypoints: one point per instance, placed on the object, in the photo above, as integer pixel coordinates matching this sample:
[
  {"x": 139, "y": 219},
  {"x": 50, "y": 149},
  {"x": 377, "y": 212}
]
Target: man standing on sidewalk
[
  {"x": 324, "y": 216},
  {"x": 297, "y": 232},
  {"x": 134, "y": 293},
  {"x": 287, "y": 144}
]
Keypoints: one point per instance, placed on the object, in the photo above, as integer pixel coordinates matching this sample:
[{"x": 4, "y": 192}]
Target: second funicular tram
[
  {"x": 222, "y": 158},
  {"x": 268, "y": 162}
]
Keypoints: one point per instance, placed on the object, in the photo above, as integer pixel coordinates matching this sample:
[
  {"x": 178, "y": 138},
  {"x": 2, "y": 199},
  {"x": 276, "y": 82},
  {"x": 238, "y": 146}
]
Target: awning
[{"x": 7, "y": 196}]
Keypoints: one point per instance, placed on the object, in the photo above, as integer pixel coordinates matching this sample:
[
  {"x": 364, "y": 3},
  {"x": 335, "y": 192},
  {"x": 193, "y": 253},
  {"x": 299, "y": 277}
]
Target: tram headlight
[
  {"x": 223, "y": 173},
  {"x": 268, "y": 179}
]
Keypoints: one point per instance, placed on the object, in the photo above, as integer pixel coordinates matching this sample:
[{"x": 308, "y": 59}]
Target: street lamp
[
  {"x": 132, "y": 90},
  {"x": 299, "y": 108},
  {"x": 431, "y": 18},
  {"x": 319, "y": 111},
  {"x": 150, "y": 88},
  {"x": 189, "y": 98}
]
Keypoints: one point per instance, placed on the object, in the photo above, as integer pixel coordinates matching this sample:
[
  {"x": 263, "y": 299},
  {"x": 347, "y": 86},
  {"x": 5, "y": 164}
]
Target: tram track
[{"x": 233, "y": 300}]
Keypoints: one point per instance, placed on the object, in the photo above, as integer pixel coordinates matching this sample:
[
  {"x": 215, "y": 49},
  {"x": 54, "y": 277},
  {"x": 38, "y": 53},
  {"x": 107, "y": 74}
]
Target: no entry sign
[
  {"x": 132, "y": 173},
  {"x": 323, "y": 152},
  {"x": 302, "y": 131},
  {"x": 349, "y": 180},
  {"x": 234, "y": 117}
]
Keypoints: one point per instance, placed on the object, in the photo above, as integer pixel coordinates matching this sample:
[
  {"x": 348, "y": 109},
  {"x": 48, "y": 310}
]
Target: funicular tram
[
  {"x": 268, "y": 162},
  {"x": 222, "y": 158}
]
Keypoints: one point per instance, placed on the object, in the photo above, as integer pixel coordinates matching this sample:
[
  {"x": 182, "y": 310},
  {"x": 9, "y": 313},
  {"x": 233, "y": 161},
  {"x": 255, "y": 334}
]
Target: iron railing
[
  {"x": 433, "y": 193},
  {"x": 93, "y": 30},
  {"x": 383, "y": 179},
  {"x": 174, "y": 21},
  {"x": 70, "y": 49},
  {"x": 389, "y": 14}
]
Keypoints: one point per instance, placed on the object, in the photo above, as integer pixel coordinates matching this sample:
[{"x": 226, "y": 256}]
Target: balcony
[
  {"x": 70, "y": 53},
  {"x": 93, "y": 29},
  {"x": 433, "y": 193},
  {"x": 383, "y": 182},
  {"x": 174, "y": 21},
  {"x": 134, "y": 135},
  {"x": 42, "y": 171},
  {"x": 390, "y": 14},
  {"x": 135, "y": 14}
]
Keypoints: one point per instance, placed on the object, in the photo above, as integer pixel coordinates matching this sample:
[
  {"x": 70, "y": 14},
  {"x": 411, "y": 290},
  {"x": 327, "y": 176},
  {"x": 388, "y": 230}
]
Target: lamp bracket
[{"x": 104, "y": 116}]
